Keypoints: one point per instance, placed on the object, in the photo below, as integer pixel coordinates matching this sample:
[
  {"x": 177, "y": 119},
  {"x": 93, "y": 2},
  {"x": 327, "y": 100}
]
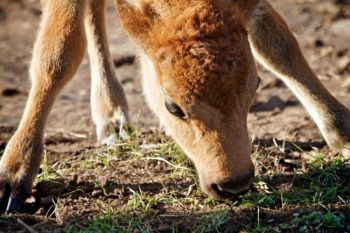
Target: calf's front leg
[
  {"x": 276, "y": 48},
  {"x": 58, "y": 51}
]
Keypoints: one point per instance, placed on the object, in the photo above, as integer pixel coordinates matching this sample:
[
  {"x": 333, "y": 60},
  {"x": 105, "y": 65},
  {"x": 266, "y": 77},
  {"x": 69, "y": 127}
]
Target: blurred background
[{"x": 322, "y": 28}]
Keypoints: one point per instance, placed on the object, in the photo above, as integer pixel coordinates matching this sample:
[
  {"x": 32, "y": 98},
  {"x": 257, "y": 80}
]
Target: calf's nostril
[
  {"x": 230, "y": 187},
  {"x": 216, "y": 191},
  {"x": 237, "y": 185}
]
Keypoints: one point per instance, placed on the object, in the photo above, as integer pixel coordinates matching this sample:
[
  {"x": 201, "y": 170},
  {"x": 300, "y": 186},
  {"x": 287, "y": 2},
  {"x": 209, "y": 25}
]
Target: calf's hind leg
[
  {"x": 58, "y": 51},
  {"x": 108, "y": 102},
  {"x": 277, "y": 49}
]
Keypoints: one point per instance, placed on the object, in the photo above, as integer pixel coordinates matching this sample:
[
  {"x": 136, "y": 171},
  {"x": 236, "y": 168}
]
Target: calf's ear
[{"x": 137, "y": 21}]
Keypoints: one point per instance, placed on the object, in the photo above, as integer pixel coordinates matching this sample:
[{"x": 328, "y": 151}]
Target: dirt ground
[{"x": 321, "y": 26}]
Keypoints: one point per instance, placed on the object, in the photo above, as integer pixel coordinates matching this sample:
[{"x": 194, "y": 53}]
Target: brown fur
[
  {"x": 195, "y": 46},
  {"x": 196, "y": 54}
]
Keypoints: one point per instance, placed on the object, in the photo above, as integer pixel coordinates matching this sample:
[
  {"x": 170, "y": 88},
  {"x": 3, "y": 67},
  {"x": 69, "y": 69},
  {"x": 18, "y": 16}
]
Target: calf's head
[{"x": 205, "y": 82}]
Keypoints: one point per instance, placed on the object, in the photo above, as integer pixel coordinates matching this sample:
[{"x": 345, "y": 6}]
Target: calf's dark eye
[{"x": 174, "y": 109}]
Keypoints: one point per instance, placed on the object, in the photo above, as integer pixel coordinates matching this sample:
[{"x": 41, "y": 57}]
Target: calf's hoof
[
  {"x": 12, "y": 197},
  {"x": 19, "y": 166},
  {"x": 109, "y": 132}
]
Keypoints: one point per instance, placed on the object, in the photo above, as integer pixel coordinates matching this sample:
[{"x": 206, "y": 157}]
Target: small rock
[
  {"x": 103, "y": 181},
  {"x": 97, "y": 193},
  {"x": 340, "y": 27},
  {"x": 343, "y": 62}
]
